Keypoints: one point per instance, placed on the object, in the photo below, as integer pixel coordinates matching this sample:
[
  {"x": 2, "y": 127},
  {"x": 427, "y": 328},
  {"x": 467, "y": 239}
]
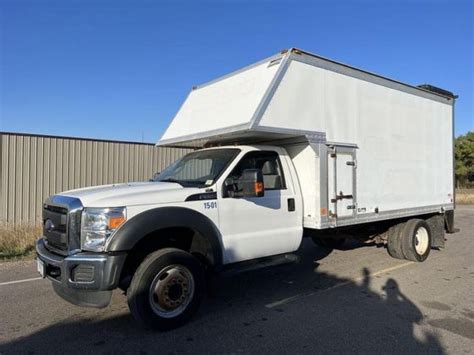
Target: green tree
[{"x": 464, "y": 157}]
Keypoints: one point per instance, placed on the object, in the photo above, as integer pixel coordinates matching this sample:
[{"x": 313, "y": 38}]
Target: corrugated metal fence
[{"x": 34, "y": 167}]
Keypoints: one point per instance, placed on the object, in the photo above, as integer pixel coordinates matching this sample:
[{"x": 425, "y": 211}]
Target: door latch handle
[{"x": 341, "y": 197}]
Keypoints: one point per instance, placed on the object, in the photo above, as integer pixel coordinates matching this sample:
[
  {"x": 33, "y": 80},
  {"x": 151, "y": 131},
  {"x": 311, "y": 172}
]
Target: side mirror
[
  {"x": 252, "y": 183},
  {"x": 229, "y": 183}
]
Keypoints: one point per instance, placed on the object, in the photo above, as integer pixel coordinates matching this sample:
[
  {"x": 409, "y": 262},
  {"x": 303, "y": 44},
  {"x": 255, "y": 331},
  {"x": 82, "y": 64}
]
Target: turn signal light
[{"x": 115, "y": 222}]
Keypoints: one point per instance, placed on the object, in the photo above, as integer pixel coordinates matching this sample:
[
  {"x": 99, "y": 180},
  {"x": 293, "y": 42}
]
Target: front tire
[{"x": 166, "y": 289}]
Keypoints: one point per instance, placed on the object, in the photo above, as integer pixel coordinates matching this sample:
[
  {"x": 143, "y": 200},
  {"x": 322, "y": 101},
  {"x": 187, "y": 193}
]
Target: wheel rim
[
  {"x": 171, "y": 291},
  {"x": 422, "y": 241}
]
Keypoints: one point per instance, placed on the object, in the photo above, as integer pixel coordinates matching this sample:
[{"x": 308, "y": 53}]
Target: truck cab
[{"x": 215, "y": 207}]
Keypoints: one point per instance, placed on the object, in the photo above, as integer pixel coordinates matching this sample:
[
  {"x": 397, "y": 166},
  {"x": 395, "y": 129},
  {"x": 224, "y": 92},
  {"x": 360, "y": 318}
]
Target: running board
[{"x": 258, "y": 264}]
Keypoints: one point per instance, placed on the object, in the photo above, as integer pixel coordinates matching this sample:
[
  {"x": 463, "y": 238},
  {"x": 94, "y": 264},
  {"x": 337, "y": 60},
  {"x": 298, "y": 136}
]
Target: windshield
[{"x": 198, "y": 169}]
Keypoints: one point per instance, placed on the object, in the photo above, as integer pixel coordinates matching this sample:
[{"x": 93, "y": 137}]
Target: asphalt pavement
[{"x": 357, "y": 299}]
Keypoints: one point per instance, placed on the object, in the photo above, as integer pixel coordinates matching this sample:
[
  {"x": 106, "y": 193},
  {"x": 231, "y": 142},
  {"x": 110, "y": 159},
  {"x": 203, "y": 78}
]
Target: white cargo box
[{"x": 373, "y": 148}]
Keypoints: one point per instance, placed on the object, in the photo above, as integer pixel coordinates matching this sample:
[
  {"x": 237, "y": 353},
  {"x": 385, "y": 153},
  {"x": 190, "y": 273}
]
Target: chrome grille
[
  {"x": 55, "y": 227},
  {"x": 61, "y": 224}
]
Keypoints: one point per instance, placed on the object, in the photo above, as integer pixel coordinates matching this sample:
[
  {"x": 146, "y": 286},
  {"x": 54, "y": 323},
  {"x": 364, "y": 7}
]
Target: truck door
[
  {"x": 254, "y": 227},
  {"x": 342, "y": 199}
]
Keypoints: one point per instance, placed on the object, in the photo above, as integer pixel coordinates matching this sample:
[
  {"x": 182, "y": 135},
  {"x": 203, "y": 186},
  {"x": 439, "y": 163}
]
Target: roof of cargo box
[{"x": 229, "y": 109}]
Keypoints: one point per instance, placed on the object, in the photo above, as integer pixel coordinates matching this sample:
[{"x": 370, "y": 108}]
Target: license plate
[{"x": 40, "y": 267}]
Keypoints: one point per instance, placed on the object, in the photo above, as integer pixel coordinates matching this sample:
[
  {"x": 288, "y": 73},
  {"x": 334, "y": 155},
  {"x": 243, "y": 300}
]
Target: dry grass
[
  {"x": 17, "y": 240},
  {"x": 465, "y": 199},
  {"x": 465, "y": 196}
]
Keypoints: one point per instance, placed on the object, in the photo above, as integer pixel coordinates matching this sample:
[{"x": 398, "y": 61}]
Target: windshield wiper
[{"x": 172, "y": 180}]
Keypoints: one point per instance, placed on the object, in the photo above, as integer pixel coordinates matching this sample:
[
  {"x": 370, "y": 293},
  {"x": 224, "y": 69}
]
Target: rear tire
[
  {"x": 331, "y": 243},
  {"x": 416, "y": 240},
  {"x": 394, "y": 241},
  {"x": 166, "y": 289}
]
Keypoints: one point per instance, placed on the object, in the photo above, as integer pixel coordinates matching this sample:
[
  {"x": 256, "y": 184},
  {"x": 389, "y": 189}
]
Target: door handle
[{"x": 291, "y": 205}]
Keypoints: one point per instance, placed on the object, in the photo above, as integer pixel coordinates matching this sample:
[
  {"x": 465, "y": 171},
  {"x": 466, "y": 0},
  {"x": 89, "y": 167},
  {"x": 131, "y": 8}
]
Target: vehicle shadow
[{"x": 290, "y": 308}]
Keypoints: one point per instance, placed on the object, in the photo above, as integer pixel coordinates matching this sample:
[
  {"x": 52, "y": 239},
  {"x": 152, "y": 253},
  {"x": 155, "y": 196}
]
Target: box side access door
[{"x": 342, "y": 186}]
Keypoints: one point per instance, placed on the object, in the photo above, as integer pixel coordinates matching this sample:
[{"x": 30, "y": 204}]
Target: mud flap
[
  {"x": 436, "y": 224},
  {"x": 449, "y": 221}
]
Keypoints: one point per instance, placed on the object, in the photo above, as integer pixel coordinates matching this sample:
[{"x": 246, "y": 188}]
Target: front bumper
[{"x": 84, "y": 279}]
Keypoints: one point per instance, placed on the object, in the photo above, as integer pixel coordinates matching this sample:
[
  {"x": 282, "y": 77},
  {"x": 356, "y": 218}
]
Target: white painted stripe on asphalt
[
  {"x": 303, "y": 295},
  {"x": 20, "y": 281},
  {"x": 273, "y": 304}
]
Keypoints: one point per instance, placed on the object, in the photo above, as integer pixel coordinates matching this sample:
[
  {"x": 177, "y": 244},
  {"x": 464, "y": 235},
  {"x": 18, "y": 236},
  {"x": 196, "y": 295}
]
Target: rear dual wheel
[
  {"x": 394, "y": 243},
  {"x": 416, "y": 242},
  {"x": 410, "y": 240}
]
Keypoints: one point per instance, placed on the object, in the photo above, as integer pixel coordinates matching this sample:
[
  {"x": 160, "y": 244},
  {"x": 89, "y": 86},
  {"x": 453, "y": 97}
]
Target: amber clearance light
[{"x": 116, "y": 221}]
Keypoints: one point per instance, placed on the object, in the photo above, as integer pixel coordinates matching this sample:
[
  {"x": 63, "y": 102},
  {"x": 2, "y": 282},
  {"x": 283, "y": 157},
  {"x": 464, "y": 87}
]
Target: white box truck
[{"x": 295, "y": 145}]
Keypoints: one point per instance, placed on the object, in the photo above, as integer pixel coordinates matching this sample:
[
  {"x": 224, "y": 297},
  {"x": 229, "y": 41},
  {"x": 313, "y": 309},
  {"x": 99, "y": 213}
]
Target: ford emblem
[{"x": 49, "y": 225}]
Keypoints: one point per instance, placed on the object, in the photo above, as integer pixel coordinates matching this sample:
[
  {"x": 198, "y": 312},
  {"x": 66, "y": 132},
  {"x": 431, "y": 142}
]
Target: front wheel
[{"x": 167, "y": 289}]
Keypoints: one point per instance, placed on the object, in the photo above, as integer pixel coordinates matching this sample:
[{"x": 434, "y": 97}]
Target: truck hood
[{"x": 129, "y": 194}]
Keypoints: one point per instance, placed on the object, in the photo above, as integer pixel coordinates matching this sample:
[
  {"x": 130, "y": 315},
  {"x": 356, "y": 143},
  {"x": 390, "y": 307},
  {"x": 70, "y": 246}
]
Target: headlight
[{"x": 97, "y": 224}]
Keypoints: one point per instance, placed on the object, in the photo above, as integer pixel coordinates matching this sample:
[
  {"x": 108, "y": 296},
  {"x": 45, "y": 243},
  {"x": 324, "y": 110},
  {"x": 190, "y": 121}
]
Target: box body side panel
[{"x": 404, "y": 141}]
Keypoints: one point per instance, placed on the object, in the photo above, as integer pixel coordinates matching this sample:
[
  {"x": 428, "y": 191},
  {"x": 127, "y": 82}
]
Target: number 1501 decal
[{"x": 209, "y": 205}]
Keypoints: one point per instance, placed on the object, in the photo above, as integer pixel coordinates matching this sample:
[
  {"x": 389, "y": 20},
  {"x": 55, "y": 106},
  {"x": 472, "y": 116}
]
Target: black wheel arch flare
[{"x": 139, "y": 226}]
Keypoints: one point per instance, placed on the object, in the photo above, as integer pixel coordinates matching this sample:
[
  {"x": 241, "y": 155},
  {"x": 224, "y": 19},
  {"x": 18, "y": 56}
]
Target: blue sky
[{"x": 121, "y": 69}]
